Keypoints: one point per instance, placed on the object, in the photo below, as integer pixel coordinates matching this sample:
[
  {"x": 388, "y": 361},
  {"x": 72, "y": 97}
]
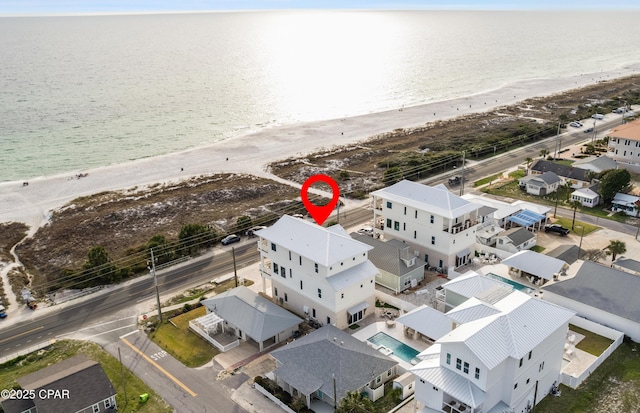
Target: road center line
[
  {"x": 21, "y": 334},
  {"x": 156, "y": 365}
]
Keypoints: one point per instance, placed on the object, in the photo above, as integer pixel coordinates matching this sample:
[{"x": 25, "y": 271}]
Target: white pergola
[{"x": 209, "y": 323}]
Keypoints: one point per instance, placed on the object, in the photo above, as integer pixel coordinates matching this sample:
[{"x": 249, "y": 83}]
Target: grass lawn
[
  {"x": 538, "y": 248},
  {"x": 64, "y": 349},
  {"x": 592, "y": 343},
  {"x": 181, "y": 343},
  {"x": 614, "y": 386},
  {"x": 577, "y": 227},
  {"x": 486, "y": 180}
]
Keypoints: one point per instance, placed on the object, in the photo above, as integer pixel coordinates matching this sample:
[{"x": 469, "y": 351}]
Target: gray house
[
  {"x": 540, "y": 185},
  {"x": 515, "y": 239},
  {"x": 577, "y": 177},
  {"x": 244, "y": 315},
  {"x": 601, "y": 294},
  {"x": 399, "y": 268},
  {"x": 80, "y": 384},
  {"x": 328, "y": 363}
]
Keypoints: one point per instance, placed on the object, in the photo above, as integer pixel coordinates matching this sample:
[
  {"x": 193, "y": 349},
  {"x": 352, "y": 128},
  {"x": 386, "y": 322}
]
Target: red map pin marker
[{"x": 320, "y": 212}]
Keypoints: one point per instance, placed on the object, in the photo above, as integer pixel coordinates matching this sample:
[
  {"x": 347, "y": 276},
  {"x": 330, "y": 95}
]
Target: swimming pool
[
  {"x": 398, "y": 348},
  {"x": 516, "y": 285}
]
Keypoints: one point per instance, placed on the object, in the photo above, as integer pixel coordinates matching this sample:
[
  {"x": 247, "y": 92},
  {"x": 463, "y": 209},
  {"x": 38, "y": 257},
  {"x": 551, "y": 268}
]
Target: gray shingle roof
[
  {"x": 518, "y": 236},
  {"x": 388, "y": 256},
  {"x": 258, "y": 317},
  {"x": 565, "y": 171},
  {"x": 602, "y": 287},
  {"x": 86, "y": 381},
  {"x": 567, "y": 253},
  {"x": 628, "y": 263},
  {"x": 310, "y": 363}
]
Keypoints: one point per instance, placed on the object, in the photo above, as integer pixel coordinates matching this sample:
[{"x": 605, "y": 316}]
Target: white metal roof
[
  {"x": 450, "y": 382},
  {"x": 427, "y": 321},
  {"x": 535, "y": 263},
  {"x": 522, "y": 324},
  {"x": 353, "y": 275},
  {"x": 472, "y": 284},
  {"x": 472, "y": 309},
  {"x": 503, "y": 209},
  {"x": 435, "y": 199},
  {"x": 585, "y": 193},
  {"x": 326, "y": 246}
]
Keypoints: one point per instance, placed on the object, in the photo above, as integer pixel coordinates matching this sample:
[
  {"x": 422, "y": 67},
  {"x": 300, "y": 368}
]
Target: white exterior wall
[
  {"x": 427, "y": 395},
  {"x": 399, "y": 284},
  {"x": 332, "y": 303},
  {"x": 624, "y": 150},
  {"x": 416, "y": 229},
  {"x": 628, "y": 327}
]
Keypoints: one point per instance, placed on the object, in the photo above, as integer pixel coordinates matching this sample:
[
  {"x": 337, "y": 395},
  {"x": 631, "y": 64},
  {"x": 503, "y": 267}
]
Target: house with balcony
[
  {"x": 574, "y": 176},
  {"x": 327, "y": 363},
  {"x": 318, "y": 273},
  {"x": 503, "y": 356},
  {"x": 437, "y": 225},
  {"x": 624, "y": 145}
]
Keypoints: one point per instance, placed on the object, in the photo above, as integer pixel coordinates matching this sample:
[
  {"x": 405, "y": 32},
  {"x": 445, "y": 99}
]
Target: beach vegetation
[
  {"x": 194, "y": 237},
  {"x": 392, "y": 175},
  {"x": 99, "y": 268},
  {"x": 243, "y": 223}
]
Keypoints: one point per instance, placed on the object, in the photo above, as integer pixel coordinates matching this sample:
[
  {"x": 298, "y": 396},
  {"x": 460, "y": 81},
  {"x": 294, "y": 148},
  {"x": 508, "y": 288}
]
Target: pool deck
[{"x": 396, "y": 332}]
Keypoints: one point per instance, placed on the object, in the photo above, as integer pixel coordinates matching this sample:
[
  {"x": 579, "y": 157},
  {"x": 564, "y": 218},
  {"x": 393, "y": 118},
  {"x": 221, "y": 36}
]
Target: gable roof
[
  {"x": 472, "y": 309},
  {"x": 472, "y": 284},
  {"x": 427, "y": 321},
  {"x": 567, "y": 253},
  {"x": 252, "y": 313},
  {"x": 436, "y": 199},
  {"x": 596, "y": 163},
  {"x": 602, "y": 287},
  {"x": 585, "y": 193},
  {"x": 566, "y": 171},
  {"x": 457, "y": 385},
  {"x": 518, "y": 236},
  {"x": 522, "y": 324},
  {"x": 390, "y": 256},
  {"x": 547, "y": 178},
  {"x": 535, "y": 263},
  {"x": 85, "y": 379},
  {"x": 325, "y": 246},
  {"x": 310, "y": 363},
  {"x": 628, "y": 263}
]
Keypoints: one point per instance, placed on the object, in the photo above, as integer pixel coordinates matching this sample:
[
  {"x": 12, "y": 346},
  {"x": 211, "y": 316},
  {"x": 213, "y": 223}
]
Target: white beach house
[
  {"x": 439, "y": 226},
  {"x": 624, "y": 145},
  {"x": 318, "y": 273},
  {"x": 503, "y": 357}
]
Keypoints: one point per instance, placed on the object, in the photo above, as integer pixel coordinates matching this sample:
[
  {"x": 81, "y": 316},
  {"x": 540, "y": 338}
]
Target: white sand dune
[{"x": 33, "y": 203}]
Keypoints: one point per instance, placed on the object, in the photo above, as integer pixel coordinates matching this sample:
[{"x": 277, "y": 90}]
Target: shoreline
[{"x": 251, "y": 153}]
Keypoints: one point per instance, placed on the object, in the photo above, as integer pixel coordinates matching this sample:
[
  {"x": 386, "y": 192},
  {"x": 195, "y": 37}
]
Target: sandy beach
[{"x": 252, "y": 153}]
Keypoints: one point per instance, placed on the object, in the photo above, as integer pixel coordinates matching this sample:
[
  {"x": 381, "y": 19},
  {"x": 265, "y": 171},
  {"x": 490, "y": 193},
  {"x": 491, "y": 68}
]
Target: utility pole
[
  {"x": 556, "y": 148},
  {"x": 235, "y": 272},
  {"x": 155, "y": 280},
  {"x": 594, "y": 132},
  {"x": 335, "y": 395},
  {"x": 462, "y": 177}
]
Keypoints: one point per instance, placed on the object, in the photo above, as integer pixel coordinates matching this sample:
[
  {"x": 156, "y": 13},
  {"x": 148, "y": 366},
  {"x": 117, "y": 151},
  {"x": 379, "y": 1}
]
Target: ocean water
[{"x": 88, "y": 91}]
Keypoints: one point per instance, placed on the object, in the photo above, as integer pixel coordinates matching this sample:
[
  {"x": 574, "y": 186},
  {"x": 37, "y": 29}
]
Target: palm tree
[
  {"x": 544, "y": 152},
  {"x": 568, "y": 188},
  {"x": 528, "y": 161},
  {"x": 575, "y": 205},
  {"x": 615, "y": 247},
  {"x": 353, "y": 402}
]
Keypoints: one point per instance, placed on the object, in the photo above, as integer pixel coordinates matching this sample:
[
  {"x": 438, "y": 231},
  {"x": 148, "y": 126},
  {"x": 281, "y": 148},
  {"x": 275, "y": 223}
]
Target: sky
[{"x": 132, "y": 6}]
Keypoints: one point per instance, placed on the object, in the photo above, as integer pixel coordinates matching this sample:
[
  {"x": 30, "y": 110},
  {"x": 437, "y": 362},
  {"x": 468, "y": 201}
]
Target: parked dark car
[
  {"x": 588, "y": 130},
  {"x": 558, "y": 229},
  {"x": 456, "y": 180},
  {"x": 230, "y": 239}
]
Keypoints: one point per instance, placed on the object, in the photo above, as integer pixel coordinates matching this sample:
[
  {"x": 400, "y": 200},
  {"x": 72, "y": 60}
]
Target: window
[
  {"x": 301, "y": 284},
  {"x": 319, "y": 293},
  {"x": 466, "y": 368},
  {"x": 515, "y": 386},
  {"x": 448, "y": 358},
  {"x": 315, "y": 266},
  {"x": 520, "y": 363},
  {"x": 432, "y": 219},
  {"x": 275, "y": 268},
  {"x": 300, "y": 259},
  {"x": 342, "y": 295},
  {"x": 389, "y": 205},
  {"x": 433, "y": 240},
  {"x": 388, "y": 223},
  {"x": 389, "y": 373},
  {"x": 459, "y": 364},
  {"x": 530, "y": 354},
  {"x": 378, "y": 379},
  {"x": 328, "y": 320},
  {"x": 96, "y": 408},
  {"x": 289, "y": 255},
  {"x": 415, "y": 215},
  {"x": 541, "y": 367},
  {"x": 283, "y": 272},
  {"x": 286, "y": 297},
  {"x": 273, "y": 246},
  {"x": 313, "y": 312},
  {"x": 405, "y": 210},
  {"x": 275, "y": 292},
  {"x": 415, "y": 234},
  {"x": 477, "y": 373},
  {"x": 396, "y": 225},
  {"x": 528, "y": 380},
  {"x": 404, "y": 226},
  {"x": 107, "y": 403},
  {"x": 290, "y": 273}
]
